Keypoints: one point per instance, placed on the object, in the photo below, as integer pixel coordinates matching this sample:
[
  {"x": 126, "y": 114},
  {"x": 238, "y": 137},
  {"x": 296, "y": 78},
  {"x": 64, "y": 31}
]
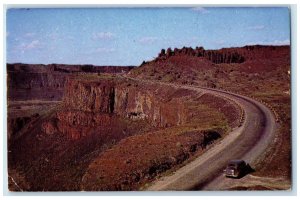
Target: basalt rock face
[
  {"x": 215, "y": 56},
  {"x": 228, "y": 55},
  {"x": 91, "y": 96},
  {"x": 90, "y": 104},
  {"x": 46, "y": 82},
  {"x": 135, "y": 103},
  {"x": 40, "y": 68},
  {"x": 35, "y": 85}
]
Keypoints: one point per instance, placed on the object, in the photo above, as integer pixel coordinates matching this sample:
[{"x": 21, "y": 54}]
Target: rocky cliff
[
  {"x": 89, "y": 104},
  {"x": 228, "y": 55},
  {"x": 46, "y": 82},
  {"x": 92, "y": 103}
]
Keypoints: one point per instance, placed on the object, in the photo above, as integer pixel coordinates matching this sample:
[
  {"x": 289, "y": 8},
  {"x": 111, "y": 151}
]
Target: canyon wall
[
  {"x": 46, "y": 82},
  {"x": 93, "y": 104},
  {"x": 89, "y": 104},
  {"x": 126, "y": 99}
]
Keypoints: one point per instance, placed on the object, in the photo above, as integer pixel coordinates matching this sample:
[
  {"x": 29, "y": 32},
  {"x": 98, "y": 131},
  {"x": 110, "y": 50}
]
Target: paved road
[{"x": 248, "y": 142}]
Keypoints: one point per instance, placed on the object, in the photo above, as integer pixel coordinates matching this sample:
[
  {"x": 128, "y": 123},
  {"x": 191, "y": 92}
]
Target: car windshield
[{"x": 231, "y": 165}]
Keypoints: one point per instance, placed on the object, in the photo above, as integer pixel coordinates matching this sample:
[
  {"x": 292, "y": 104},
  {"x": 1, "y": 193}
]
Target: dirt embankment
[{"x": 138, "y": 160}]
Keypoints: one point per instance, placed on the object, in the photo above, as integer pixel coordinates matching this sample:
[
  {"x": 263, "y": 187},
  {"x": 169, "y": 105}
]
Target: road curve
[{"x": 248, "y": 142}]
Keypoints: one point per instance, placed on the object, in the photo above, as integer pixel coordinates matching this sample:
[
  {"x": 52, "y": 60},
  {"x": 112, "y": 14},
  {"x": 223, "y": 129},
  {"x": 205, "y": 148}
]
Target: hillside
[
  {"x": 260, "y": 72},
  {"x": 214, "y": 68}
]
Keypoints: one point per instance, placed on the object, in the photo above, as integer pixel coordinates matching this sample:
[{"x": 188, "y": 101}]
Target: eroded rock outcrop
[
  {"x": 46, "y": 82},
  {"x": 90, "y": 104},
  {"x": 226, "y": 55},
  {"x": 91, "y": 96},
  {"x": 215, "y": 56}
]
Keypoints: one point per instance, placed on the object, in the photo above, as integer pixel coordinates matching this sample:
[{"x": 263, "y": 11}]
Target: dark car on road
[{"x": 235, "y": 168}]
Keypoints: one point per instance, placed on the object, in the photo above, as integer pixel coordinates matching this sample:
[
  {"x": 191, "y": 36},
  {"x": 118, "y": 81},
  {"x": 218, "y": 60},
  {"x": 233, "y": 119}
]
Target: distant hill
[
  {"x": 209, "y": 67},
  {"x": 46, "y": 82}
]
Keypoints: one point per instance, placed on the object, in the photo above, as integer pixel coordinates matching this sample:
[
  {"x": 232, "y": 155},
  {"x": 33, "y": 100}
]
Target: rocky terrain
[
  {"x": 46, "y": 82},
  {"x": 94, "y": 129},
  {"x": 260, "y": 72},
  {"x": 101, "y": 112},
  {"x": 33, "y": 88},
  {"x": 214, "y": 68}
]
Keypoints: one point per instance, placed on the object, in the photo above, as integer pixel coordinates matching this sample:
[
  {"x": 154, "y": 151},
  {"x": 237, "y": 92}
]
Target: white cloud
[
  {"x": 59, "y": 37},
  {"x": 103, "y": 36},
  {"x": 34, "y": 44},
  {"x": 201, "y": 10},
  {"x": 255, "y": 28},
  {"x": 147, "y": 40},
  {"x": 28, "y": 46}
]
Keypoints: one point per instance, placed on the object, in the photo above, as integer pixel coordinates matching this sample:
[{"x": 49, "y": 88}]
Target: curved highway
[{"x": 248, "y": 142}]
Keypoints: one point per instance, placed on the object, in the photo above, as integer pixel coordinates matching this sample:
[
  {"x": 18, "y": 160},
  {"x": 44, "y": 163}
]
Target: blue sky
[{"x": 127, "y": 36}]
